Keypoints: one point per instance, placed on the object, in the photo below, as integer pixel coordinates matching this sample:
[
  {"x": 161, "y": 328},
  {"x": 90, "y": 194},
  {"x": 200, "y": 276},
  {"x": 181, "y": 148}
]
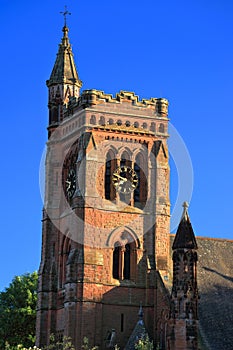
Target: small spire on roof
[
  {"x": 185, "y": 238},
  {"x": 65, "y": 13},
  {"x": 140, "y": 314},
  {"x": 64, "y": 70},
  {"x": 185, "y": 211}
]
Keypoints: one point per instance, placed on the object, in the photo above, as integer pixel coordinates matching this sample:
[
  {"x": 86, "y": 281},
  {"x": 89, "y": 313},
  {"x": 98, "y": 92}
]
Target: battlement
[{"x": 94, "y": 97}]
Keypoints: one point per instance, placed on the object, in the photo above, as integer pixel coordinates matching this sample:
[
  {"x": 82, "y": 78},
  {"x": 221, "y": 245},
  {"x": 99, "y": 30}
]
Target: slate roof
[
  {"x": 139, "y": 332},
  {"x": 215, "y": 284}
]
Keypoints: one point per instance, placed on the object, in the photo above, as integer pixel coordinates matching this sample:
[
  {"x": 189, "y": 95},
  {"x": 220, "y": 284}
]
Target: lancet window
[
  {"x": 65, "y": 250},
  {"x": 110, "y": 166}
]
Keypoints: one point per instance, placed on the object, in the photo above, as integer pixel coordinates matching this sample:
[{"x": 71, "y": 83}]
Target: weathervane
[{"x": 65, "y": 13}]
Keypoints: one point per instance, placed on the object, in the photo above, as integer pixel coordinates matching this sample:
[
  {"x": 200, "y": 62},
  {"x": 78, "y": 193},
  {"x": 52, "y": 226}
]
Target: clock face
[
  {"x": 71, "y": 183},
  {"x": 125, "y": 179}
]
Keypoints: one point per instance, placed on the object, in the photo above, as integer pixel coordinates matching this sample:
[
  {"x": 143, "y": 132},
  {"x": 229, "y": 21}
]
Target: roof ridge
[{"x": 208, "y": 238}]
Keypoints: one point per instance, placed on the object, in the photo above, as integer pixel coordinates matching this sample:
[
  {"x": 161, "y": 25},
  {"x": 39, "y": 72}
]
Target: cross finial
[
  {"x": 65, "y": 13},
  {"x": 185, "y": 205}
]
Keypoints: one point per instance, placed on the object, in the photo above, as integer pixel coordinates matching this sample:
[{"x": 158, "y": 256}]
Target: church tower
[
  {"x": 184, "y": 298},
  {"x": 106, "y": 217}
]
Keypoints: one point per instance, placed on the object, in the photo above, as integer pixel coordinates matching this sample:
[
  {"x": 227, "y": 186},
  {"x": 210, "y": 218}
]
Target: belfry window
[
  {"x": 110, "y": 166},
  {"x": 140, "y": 193},
  {"x": 137, "y": 189},
  {"x": 125, "y": 161}
]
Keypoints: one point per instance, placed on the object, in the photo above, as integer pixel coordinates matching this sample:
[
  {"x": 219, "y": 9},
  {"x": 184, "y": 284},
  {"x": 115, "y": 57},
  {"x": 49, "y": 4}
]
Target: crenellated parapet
[{"x": 94, "y": 97}]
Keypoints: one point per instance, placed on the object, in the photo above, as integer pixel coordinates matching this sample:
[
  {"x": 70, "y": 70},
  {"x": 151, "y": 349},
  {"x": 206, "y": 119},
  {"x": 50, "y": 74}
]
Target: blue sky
[{"x": 174, "y": 49}]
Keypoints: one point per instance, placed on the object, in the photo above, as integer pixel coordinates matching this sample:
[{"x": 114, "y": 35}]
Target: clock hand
[
  {"x": 69, "y": 184},
  {"x": 120, "y": 177}
]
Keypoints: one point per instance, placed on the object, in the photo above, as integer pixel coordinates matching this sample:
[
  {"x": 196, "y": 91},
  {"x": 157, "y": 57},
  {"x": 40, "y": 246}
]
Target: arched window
[
  {"x": 93, "y": 120},
  {"x": 125, "y": 161},
  {"x": 161, "y": 128},
  {"x": 65, "y": 250},
  {"x": 116, "y": 261},
  {"x": 140, "y": 193},
  {"x": 110, "y": 166},
  {"x": 124, "y": 261},
  {"x": 136, "y": 194},
  {"x": 126, "y": 270},
  {"x": 152, "y": 126},
  {"x": 102, "y": 120}
]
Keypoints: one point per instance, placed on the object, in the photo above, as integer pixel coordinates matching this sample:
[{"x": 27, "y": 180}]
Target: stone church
[{"x": 110, "y": 270}]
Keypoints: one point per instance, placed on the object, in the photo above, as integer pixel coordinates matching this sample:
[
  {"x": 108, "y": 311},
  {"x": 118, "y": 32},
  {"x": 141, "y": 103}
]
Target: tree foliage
[
  {"x": 18, "y": 311},
  {"x": 144, "y": 344},
  {"x": 85, "y": 345}
]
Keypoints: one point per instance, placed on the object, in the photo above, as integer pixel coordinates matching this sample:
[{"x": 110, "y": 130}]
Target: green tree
[
  {"x": 85, "y": 345},
  {"x": 18, "y": 311},
  {"x": 144, "y": 344}
]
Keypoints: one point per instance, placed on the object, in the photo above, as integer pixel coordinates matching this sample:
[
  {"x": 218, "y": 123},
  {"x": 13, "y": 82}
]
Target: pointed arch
[
  {"x": 140, "y": 193},
  {"x": 124, "y": 258},
  {"x": 126, "y": 157},
  {"x": 122, "y": 235},
  {"x": 64, "y": 253},
  {"x": 110, "y": 166}
]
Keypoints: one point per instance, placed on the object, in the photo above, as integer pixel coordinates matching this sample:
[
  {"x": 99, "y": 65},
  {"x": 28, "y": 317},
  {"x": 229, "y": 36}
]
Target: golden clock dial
[{"x": 125, "y": 179}]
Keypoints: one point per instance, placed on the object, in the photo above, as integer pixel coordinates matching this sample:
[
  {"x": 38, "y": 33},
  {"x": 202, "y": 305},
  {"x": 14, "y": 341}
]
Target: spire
[
  {"x": 185, "y": 237},
  {"x": 140, "y": 315},
  {"x": 64, "y": 82},
  {"x": 184, "y": 296},
  {"x": 64, "y": 70}
]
